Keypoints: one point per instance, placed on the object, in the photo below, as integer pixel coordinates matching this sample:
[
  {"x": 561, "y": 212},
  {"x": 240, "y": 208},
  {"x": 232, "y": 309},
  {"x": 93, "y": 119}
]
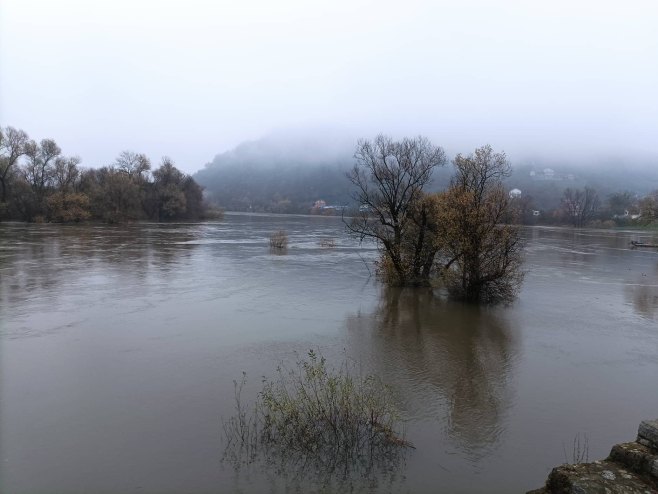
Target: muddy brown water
[{"x": 119, "y": 347}]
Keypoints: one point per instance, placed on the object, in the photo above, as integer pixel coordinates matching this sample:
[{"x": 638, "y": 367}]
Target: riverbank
[{"x": 631, "y": 468}]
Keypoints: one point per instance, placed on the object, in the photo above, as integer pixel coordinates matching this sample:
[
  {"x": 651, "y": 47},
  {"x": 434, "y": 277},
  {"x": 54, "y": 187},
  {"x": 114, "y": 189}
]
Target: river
[{"x": 119, "y": 346}]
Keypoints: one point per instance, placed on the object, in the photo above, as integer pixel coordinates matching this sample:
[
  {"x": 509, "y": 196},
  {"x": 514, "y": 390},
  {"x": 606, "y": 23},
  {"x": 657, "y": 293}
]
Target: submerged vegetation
[
  {"x": 457, "y": 237},
  {"x": 480, "y": 255},
  {"x": 317, "y": 419},
  {"x": 327, "y": 243},
  {"x": 389, "y": 177},
  {"x": 279, "y": 240}
]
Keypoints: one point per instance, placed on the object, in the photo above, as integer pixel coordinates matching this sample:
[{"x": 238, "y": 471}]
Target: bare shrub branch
[{"x": 329, "y": 421}]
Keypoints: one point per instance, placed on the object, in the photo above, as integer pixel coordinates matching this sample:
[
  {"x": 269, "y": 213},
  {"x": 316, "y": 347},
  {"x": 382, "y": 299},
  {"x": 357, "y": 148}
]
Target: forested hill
[
  {"x": 280, "y": 175},
  {"x": 286, "y": 174}
]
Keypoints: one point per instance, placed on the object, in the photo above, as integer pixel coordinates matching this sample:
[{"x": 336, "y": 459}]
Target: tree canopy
[
  {"x": 389, "y": 178},
  {"x": 459, "y": 233},
  {"x": 481, "y": 255},
  {"x": 39, "y": 183}
]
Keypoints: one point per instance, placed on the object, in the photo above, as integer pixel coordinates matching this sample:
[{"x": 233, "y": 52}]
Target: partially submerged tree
[
  {"x": 481, "y": 257},
  {"x": 389, "y": 177}
]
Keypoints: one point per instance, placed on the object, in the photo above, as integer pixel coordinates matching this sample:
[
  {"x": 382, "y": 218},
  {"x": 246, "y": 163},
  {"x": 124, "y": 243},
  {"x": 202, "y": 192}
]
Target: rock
[
  {"x": 591, "y": 478},
  {"x": 608, "y": 475},
  {"x": 631, "y": 468},
  {"x": 635, "y": 457},
  {"x": 647, "y": 434}
]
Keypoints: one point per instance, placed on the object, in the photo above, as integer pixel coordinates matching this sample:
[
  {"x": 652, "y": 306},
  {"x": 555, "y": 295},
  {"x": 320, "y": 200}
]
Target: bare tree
[
  {"x": 39, "y": 168},
  {"x": 12, "y": 147},
  {"x": 135, "y": 165},
  {"x": 389, "y": 177},
  {"x": 65, "y": 173},
  {"x": 580, "y": 206},
  {"x": 481, "y": 257}
]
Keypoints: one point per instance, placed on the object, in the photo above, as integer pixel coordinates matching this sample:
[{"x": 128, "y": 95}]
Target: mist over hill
[
  {"x": 544, "y": 181},
  {"x": 281, "y": 173},
  {"x": 287, "y": 172}
]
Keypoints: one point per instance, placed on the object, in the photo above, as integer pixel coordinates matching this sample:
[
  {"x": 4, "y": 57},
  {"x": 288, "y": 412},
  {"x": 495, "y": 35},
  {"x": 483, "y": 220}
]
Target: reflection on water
[
  {"x": 77, "y": 258},
  {"x": 644, "y": 299},
  {"x": 455, "y": 361},
  {"x": 643, "y": 294},
  {"x": 119, "y": 346}
]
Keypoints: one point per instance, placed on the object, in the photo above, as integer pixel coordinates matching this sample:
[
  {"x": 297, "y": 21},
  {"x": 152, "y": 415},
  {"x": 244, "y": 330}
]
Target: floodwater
[{"x": 119, "y": 346}]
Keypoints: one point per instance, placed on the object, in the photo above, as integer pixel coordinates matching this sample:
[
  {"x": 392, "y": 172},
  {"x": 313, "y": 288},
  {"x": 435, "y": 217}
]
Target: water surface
[{"x": 119, "y": 346}]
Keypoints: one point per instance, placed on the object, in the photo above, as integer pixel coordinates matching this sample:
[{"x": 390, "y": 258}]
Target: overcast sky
[{"x": 190, "y": 79}]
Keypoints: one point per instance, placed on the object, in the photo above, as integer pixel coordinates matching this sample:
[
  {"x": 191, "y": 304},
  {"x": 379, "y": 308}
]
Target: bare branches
[
  {"x": 135, "y": 165},
  {"x": 580, "y": 206},
  {"x": 482, "y": 258},
  {"x": 334, "y": 422},
  {"x": 389, "y": 177},
  {"x": 40, "y": 161},
  {"x": 12, "y": 147}
]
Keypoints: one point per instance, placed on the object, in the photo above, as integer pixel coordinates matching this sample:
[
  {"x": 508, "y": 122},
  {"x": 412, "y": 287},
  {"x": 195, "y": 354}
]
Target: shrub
[
  {"x": 327, "y": 243},
  {"x": 68, "y": 207},
  {"x": 579, "y": 451},
  {"x": 327, "y": 420},
  {"x": 279, "y": 240},
  {"x": 482, "y": 258}
]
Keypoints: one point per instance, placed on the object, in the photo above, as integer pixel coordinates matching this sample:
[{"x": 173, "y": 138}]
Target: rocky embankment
[{"x": 631, "y": 468}]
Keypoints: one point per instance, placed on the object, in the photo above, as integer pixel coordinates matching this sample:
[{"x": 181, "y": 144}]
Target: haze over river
[{"x": 119, "y": 346}]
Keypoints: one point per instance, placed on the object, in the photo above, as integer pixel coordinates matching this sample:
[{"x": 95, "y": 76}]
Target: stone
[
  {"x": 647, "y": 433},
  {"x": 608, "y": 475},
  {"x": 592, "y": 478},
  {"x": 631, "y": 468},
  {"x": 635, "y": 457}
]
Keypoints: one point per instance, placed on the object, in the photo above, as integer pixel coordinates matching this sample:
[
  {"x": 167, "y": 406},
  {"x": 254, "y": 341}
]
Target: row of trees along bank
[
  {"x": 462, "y": 235},
  {"x": 39, "y": 183}
]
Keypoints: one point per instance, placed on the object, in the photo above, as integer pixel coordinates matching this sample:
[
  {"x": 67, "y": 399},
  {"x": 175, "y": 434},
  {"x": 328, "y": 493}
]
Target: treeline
[
  {"x": 603, "y": 196},
  {"x": 585, "y": 207},
  {"x": 38, "y": 183}
]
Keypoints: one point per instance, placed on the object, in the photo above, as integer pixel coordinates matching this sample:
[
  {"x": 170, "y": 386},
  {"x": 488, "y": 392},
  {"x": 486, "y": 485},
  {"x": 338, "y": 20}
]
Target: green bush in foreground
[{"x": 318, "y": 419}]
